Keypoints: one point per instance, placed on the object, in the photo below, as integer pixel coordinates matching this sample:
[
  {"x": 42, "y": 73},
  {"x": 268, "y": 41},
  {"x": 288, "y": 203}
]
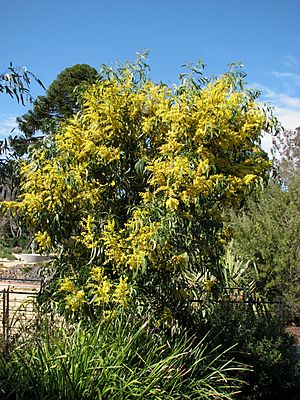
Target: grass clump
[{"x": 123, "y": 357}]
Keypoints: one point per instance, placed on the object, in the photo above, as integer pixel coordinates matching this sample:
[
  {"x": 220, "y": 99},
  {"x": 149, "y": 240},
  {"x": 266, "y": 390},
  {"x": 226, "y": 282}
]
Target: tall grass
[{"x": 121, "y": 358}]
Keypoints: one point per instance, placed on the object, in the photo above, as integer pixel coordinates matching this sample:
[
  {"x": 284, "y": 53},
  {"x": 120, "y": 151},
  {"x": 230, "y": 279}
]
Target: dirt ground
[
  {"x": 14, "y": 272},
  {"x": 294, "y": 331},
  {"x": 18, "y": 270}
]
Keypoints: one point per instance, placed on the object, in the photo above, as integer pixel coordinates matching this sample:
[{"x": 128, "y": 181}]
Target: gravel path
[{"x": 18, "y": 270}]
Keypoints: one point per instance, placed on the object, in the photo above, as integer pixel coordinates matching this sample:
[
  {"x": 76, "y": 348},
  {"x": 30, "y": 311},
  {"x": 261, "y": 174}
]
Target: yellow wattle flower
[{"x": 172, "y": 204}]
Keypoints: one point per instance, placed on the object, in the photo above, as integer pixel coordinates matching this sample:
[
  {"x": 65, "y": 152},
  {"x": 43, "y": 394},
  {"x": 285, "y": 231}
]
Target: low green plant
[
  {"x": 119, "y": 358},
  {"x": 263, "y": 343},
  {"x": 5, "y": 252}
]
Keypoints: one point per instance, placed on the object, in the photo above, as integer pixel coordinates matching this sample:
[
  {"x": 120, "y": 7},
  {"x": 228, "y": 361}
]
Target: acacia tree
[{"x": 130, "y": 191}]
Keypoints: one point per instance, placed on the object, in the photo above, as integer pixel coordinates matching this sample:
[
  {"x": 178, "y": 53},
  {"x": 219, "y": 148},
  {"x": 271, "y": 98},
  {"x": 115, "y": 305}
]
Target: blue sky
[{"x": 50, "y": 35}]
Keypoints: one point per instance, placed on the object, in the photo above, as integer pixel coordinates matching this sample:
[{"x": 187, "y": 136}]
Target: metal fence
[
  {"x": 245, "y": 300},
  {"x": 18, "y": 299},
  {"x": 19, "y": 307}
]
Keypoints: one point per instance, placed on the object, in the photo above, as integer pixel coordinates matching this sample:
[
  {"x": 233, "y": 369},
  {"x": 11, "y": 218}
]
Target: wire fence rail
[{"x": 18, "y": 307}]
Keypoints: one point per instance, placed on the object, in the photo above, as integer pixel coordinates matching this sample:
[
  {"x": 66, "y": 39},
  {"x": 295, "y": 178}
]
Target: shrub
[{"x": 263, "y": 344}]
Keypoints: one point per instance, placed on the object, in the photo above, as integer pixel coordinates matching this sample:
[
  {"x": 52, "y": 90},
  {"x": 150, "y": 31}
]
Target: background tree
[
  {"x": 60, "y": 101},
  {"x": 286, "y": 151},
  {"x": 268, "y": 230},
  {"x": 269, "y": 234}
]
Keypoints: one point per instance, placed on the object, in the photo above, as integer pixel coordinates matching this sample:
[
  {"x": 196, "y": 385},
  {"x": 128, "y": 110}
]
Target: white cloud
[
  {"x": 267, "y": 143},
  {"x": 286, "y": 107},
  {"x": 289, "y": 118},
  {"x": 279, "y": 99},
  {"x": 289, "y": 101},
  {"x": 287, "y": 110},
  {"x": 7, "y": 123},
  {"x": 294, "y": 78},
  {"x": 290, "y": 60}
]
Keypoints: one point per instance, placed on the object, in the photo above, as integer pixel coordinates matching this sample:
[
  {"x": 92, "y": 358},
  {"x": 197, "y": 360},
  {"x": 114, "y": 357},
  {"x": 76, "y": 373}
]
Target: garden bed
[{"x": 18, "y": 270}]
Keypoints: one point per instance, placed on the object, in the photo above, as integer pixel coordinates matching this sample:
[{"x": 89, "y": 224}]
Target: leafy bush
[
  {"x": 119, "y": 358},
  {"x": 262, "y": 343},
  {"x": 275, "y": 369}
]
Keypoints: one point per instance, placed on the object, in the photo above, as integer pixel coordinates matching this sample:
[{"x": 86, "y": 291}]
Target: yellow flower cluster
[
  {"x": 102, "y": 292},
  {"x": 121, "y": 293},
  {"x": 99, "y": 289},
  {"x": 166, "y": 319},
  {"x": 67, "y": 285},
  {"x": 218, "y": 126},
  {"x": 129, "y": 247},
  {"x": 114, "y": 244},
  {"x": 140, "y": 240},
  {"x": 75, "y": 298},
  {"x": 43, "y": 240},
  {"x": 89, "y": 238}
]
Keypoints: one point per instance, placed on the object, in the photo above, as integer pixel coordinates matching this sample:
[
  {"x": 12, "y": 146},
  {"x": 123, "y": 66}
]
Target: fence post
[
  {"x": 5, "y": 318},
  {"x": 3, "y": 314}
]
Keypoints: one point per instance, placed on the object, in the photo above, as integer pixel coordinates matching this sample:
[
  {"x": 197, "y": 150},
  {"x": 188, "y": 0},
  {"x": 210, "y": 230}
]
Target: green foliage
[
  {"x": 5, "y": 252},
  {"x": 275, "y": 369},
  {"x": 243, "y": 317},
  {"x": 15, "y": 81},
  {"x": 120, "y": 358},
  {"x": 237, "y": 272},
  {"x": 11, "y": 232},
  {"x": 263, "y": 344},
  {"x": 9, "y": 178}
]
